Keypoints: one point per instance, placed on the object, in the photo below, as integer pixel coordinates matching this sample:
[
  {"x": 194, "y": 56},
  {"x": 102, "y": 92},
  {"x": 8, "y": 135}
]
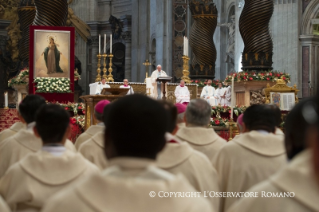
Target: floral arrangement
[
  {"x": 79, "y": 119},
  {"x": 258, "y": 76},
  {"x": 203, "y": 83},
  {"x": 21, "y": 78},
  {"x": 71, "y": 106},
  {"x": 224, "y": 109},
  {"x": 52, "y": 85},
  {"x": 218, "y": 122}
]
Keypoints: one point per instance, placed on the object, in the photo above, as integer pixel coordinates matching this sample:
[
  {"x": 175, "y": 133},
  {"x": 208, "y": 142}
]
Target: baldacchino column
[
  {"x": 50, "y": 13},
  {"x": 26, "y": 12},
  {"x": 254, "y": 29},
  {"x": 201, "y": 40}
]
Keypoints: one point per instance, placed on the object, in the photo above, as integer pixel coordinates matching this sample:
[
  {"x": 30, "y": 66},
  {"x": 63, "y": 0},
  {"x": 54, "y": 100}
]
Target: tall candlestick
[
  {"x": 184, "y": 45},
  {"x": 99, "y": 44},
  {"x": 104, "y": 43},
  {"x": 111, "y": 44},
  {"x": 232, "y": 97},
  {"x": 6, "y": 100}
]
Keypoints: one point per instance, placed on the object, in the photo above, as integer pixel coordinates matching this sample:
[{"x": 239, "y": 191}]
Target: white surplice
[
  {"x": 128, "y": 184},
  {"x": 182, "y": 94},
  {"x": 228, "y": 96},
  {"x": 100, "y": 87},
  {"x": 11, "y": 131},
  {"x": 298, "y": 177},
  {"x": 247, "y": 160},
  {"x": 29, "y": 183},
  {"x": 154, "y": 76},
  {"x": 219, "y": 93},
  {"x": 209, "y": 94},
  {"x": 131, "y": 91},
  {"x": 89, "y": 133}
]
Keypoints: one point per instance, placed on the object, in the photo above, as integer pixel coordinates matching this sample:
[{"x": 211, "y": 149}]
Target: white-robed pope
[
  {"x": 157, "y": 92},
  {"x": 101, "y": 85}
]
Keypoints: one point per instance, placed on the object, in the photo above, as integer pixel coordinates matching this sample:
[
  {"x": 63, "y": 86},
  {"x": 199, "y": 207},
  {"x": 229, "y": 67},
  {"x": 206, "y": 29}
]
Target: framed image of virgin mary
[{"x": 51, "y": 51}]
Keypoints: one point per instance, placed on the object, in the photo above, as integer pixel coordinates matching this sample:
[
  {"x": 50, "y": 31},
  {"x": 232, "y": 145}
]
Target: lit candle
[
  {"x": 99, "y": 44},
  {"x": 111, "y": 44},
  {"x": 104, "y": 43},
  {"x": 232, "y": 97},
  {"x": 6, "y": 99}
]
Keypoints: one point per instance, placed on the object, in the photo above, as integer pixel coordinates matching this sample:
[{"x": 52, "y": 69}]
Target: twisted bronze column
[
  {"x": 51, "y": 12},
  {"x": 254, "y": 29},
  {"x": 201, "y": 40},
  {"x": 26, "y": 12}
]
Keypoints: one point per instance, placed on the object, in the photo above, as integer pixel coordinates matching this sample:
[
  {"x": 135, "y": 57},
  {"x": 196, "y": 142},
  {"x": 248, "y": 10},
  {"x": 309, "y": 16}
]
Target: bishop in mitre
[
  {"x": 209, "y": 93},
  {"x": 182, "y": 93},
  {"x": 157, "y": 91}
]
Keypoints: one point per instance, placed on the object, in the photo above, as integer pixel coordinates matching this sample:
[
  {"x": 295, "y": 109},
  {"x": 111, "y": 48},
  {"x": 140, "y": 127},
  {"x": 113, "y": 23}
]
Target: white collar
[
  {"x": 264, "y": 132},
  {"x": 30, "y": 126},
  {"x": 54, "y": 150}
]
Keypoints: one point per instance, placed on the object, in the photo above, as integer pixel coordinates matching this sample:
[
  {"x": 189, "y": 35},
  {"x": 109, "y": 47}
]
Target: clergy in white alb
[
  {"x": 228, "y": 96},
  {"x": 93, "y": 129},
  {"x": 11, "y": 131},
  {"x": 101, "y": 85},
  {"x": 3, "y": 206},
  {"x": 29, "y": 183},
  {"x": 158, "y": 86},
  {"x": 292, "y": 189},
  {"x": 179, "y": 157},
  {"x": 93, "y": 150},
  {"x": 24, "y": 141},
  {"x": 250, "y": 157},
  {"x": 209, "y": 93},
  {"x": 221, "y": 95},
  {"x": 197, "y": 133},
  {"x": 182, "y": 94},
  {"x": 131, "y": 182},
  {"x": 126, "y": 85}
]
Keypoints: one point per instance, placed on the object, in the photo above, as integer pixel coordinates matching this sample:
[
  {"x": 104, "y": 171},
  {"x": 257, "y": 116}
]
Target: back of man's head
[
  {"x": 198, "y": 113},
  {"x": 52, "y": 122},
  {"x": 181, "y": 108},
  {"x": 99, "y": 108},
  {"x": 29, "y": 106},
  {"x": 259, "y": 117},
  {"x": 136, "y": 127},
  {"x": 172, "y": 115},
  {"x": 277, "y": 113},
  {"x": 296, "y": 127}
]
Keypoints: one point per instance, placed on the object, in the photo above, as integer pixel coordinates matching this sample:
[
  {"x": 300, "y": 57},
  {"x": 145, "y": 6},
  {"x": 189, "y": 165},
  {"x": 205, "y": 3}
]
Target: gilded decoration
[{"x": 281, "y": 87}]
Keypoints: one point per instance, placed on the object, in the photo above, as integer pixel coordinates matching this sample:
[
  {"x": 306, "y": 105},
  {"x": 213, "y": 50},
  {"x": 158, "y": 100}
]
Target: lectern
[
  {"x": 90, "y": 101},
  {"x": 164, "y": 80}
]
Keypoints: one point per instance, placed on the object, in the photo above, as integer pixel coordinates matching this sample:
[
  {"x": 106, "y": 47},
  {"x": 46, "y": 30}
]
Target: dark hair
[
  {"x": 136, "y": 127},
  {"x": 106, "y": 111},
  {"x": 172, "y": 115},
  {"x": 52, "y": 122},
  {"x": 260, "y": 117},
  {"x": 296, "y": 128},
  {"x": 98, "y": 116},
  {"x": 277, "y": 113},
  {"x": 29, "y": 106}
]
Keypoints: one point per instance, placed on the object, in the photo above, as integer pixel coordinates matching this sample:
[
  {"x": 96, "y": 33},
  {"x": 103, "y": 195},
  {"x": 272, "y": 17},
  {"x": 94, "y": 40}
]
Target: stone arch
[{"x": 310, "y": 13}]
